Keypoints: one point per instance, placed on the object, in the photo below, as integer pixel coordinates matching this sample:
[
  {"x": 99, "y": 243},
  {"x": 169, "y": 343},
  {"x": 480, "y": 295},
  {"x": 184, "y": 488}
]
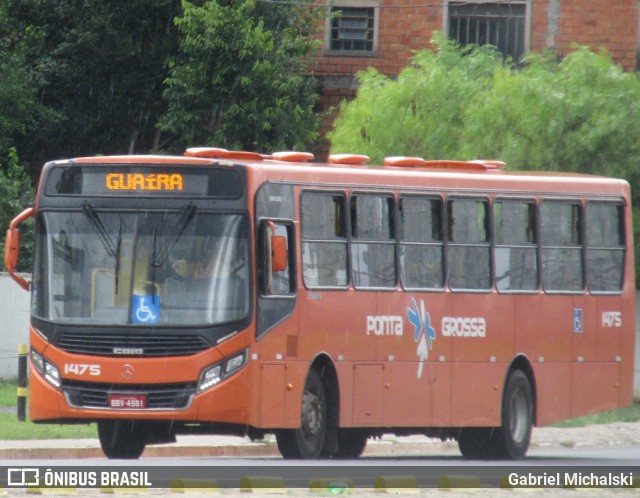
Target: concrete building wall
[
  {"x": 14, "y": 330},
  {"x": 406, "y": 26}
]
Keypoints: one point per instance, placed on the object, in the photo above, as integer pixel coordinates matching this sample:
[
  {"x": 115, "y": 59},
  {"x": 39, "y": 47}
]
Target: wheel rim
[
  {"x": 519, "y": 420},
  {"x": 313, "y": 417}
]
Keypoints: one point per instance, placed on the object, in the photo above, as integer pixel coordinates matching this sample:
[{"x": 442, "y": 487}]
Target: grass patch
[
  {"x": 8, "y": 392},
  {"x": 628, "y": 414},
  {"x": 12, "y": 429}
]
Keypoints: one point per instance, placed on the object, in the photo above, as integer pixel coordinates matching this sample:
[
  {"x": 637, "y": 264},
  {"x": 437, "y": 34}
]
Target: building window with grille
[
  {"x": 352, "y": 30},
  {"x": 501, "y": 24}
]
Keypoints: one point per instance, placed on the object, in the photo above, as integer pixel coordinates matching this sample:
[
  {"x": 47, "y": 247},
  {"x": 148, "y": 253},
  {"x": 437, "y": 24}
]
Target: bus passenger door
[
  {"x": 276, "y": 304},
  {"x": 276, "y": 274}
]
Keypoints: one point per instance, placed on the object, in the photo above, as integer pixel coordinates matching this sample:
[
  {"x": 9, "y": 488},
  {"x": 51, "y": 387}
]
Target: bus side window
[
  {"x": 561, "y": 242},
  {"x": 516, "y": 245},
  {"x": 324, "y": 240},
  {"x": 469, "y": 249},
  {"x": 373, "y": 243},
  {"x": 421, "y": 242},
  {"x": 605, "y": 246},
  {"x": 277, "y": 275}
]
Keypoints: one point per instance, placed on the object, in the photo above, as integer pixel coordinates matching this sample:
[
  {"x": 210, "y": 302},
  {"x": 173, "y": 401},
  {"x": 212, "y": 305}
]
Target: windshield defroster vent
[{"x": 114, "y": 344}]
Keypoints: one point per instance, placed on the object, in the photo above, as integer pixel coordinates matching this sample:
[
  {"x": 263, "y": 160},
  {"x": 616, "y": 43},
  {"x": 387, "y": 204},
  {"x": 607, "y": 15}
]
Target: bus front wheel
[
  {"x": 121, "y": 439},
  {"x": 308, "y": 440},
  {"x": 351, "y": 442}
]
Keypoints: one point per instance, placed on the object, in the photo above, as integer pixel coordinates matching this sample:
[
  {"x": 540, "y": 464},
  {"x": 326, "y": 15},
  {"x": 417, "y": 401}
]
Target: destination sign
[{"x": 138, "y": 181}]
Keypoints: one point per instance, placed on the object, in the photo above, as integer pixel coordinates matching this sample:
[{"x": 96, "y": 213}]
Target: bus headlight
[
  {"x": 217, "y": 373},
  {"x": 210, "y": 377},
  {"x": 47, "y": 369},
  {"x": 234, "y": 363}
]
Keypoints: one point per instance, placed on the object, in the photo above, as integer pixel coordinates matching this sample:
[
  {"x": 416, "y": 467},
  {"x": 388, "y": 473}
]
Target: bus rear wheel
[
  {"x": 308, "y": 440},
  {"x": 512, "y": 439},
  {"x": 121, "y": 439},
  {"x": 476, "y": 442}
]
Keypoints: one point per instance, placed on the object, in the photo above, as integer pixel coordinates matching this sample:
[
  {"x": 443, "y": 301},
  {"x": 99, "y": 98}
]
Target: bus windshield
[{"x": 171, "y": 267}]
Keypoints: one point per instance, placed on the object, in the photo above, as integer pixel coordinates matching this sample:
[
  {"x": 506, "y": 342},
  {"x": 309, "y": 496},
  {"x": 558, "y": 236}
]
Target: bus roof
[{"x": 351, "y": 169}]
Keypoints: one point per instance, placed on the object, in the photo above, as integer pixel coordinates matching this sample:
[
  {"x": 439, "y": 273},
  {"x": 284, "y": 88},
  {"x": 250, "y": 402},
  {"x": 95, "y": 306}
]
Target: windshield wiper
[
  {"x": 117, "y": 256},
  {"x": 159, "y": 258},
  {"x": 113, "y": 248}
]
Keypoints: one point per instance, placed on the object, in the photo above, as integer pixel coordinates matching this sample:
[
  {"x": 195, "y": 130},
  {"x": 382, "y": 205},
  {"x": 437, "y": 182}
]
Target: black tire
[
  {"x": 512, "y": 439},
  {"x": 313, "y": 418},
  {"x": 476, "y": 442},
  {"x": 287, "y": 443},
  {"x": 308, "y": 441},
  {"x": 351, "y": 443},
  {"x": 121, "y": 439}
]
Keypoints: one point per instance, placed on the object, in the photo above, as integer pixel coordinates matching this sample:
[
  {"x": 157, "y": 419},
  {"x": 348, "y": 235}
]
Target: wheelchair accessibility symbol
[
  {"x": 577, "y": 320},
  {"x": 146, "y": 309}
]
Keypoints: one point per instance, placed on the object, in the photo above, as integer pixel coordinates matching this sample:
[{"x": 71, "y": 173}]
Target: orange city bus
[{"x": 226, "y": 292}]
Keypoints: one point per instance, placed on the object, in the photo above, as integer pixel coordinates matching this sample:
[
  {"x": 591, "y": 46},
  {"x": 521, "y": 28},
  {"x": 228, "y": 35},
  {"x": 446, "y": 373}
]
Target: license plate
[{"x": 127, "y": 401}]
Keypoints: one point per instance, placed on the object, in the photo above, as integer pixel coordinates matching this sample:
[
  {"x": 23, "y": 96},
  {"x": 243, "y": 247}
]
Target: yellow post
[{"x": 23, "y": 355}]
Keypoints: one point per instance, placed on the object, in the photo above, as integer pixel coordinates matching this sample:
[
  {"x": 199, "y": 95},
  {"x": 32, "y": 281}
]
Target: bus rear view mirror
[
  {"x": 278, "y": 253},
  {"x": 12, "y": 247}
]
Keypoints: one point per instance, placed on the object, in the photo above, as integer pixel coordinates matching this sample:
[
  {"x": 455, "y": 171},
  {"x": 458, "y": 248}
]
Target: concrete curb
[
  {"x": 150, "y": 452},
  {"x": 63, "y": 449}
]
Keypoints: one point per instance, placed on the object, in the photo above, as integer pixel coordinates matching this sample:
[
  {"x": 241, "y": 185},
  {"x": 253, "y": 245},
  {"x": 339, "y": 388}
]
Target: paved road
[{"x": 431, "y": 473}]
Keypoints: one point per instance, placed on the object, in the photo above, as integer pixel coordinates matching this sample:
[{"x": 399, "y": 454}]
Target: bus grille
[
  {"x": 124, "y": 344},
  {"x": 163, "y": 396}
]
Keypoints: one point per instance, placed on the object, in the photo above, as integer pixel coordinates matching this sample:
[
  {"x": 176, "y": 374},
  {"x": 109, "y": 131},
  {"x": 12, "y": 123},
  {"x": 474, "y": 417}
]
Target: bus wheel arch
[
  {"x": 522, "y": 363},
  {"x": 511, "y": 439},
  {"x": 339, "y": 442},
  {"x": 323, "y": 365},
  {"x": 317, "y": 435}
]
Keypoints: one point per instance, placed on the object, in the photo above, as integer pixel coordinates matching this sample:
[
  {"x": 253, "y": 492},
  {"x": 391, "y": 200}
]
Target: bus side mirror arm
[{"x": 12, "y": 247}]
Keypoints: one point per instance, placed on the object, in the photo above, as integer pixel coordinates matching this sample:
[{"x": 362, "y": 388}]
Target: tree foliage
[
  {"x": 422, "y": 111},
  {"x": 238, "y": 80},
  {"x": 16, "y": 192},
  {"x": 579, "y": 114},
  {"x": 105, "y": 76},
  {"x": 100, "y": 67}
]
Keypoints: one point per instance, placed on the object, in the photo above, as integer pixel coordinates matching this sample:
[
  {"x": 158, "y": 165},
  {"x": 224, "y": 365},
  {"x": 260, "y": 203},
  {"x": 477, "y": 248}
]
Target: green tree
[
  {"x": 580, "y": 114},
  {"x": 100, "y": 67},
  {"x": 239, "y": 79},
  {"x": 422, "y": 111},
  {"x": 16, "y": 192},
  {"x": 20, "y": 107}
]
